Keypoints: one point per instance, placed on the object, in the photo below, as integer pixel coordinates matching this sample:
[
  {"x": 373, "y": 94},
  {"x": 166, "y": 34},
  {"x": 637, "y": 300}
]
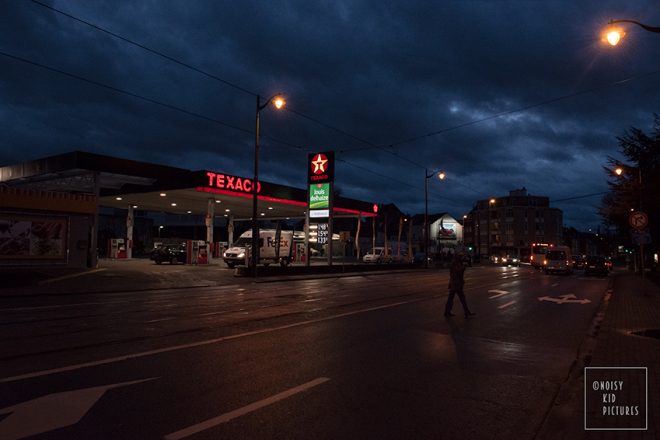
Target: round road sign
[{"x": 638, "y": 220}]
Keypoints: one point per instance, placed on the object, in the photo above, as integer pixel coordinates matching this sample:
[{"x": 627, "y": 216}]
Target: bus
[{"x": 537, "y": 254}]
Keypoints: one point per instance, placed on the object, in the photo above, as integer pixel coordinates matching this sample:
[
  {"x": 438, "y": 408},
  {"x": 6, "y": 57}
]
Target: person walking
[{"x": 456, "y": 282}]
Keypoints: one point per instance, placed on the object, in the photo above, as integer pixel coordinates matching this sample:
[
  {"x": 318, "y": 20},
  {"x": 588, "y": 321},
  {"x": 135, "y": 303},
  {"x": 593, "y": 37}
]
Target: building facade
[{"x": 509, "y": 225}]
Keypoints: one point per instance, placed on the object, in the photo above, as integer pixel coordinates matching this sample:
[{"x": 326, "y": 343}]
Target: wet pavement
[
  {"x": 630, "y": 308},
  {"x": 620, "y": 335},
  {"x": 143, "y": 274}
]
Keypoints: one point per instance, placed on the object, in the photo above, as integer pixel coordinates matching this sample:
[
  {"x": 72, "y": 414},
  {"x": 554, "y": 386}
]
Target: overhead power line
[
  {"x": 144, "y": 98},
  {"x": 512, "y": 111},
  {"x": 213, "y": 76},
  {"x": 579, "y": 197},
  {"x": 148, "y": 49}
]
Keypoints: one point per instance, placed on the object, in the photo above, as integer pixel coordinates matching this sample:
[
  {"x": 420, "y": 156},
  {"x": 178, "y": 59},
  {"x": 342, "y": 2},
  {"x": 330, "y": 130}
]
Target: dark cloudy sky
[{"x": 384, "y": 73}]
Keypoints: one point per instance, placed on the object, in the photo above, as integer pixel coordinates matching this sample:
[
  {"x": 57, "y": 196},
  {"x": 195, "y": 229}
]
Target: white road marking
[
  {"x": 52, "y": 411},
  {"x": 197, "y": 344},
  {"x": 565, "y": 299},
  {"x": 61, "y": 306},
  {"x": 506, "y": 305},
  {"x": 212, "y": 313},
  {"x": 169, "y": 318},
  {"x": 215, "y": 421},
  {"x": 555, "y": 285},
  {"x": 498, "y": 292},
  {"x": 66, "y": 277}
]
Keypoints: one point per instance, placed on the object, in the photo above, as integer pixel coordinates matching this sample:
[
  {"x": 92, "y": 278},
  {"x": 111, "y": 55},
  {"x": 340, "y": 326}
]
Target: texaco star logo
[{"x": 319, "y": 163}]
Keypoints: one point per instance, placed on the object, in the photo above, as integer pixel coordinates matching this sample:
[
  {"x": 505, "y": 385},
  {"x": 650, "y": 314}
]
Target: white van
[
  {"x": 377, "y": 255},
  {"x": 237, "y": 253},
  {"x": 558, "y": 259}
]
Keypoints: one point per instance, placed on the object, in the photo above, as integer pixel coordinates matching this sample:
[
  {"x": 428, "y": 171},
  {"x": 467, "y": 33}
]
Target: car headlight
[
  {"x": 241, "y": 255},
  {"x": 515, "y": 260}
]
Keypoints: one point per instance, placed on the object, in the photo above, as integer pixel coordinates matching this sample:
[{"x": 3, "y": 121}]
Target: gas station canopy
[{"x": 121, "y": 183}]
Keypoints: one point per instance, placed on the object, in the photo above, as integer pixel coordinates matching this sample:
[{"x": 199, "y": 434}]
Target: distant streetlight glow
[{"x": 618, "y": 171}]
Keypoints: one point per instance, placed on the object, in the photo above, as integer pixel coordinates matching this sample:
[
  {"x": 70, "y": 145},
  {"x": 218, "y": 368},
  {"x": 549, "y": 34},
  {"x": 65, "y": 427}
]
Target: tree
[{"x": 638, "y": 186}]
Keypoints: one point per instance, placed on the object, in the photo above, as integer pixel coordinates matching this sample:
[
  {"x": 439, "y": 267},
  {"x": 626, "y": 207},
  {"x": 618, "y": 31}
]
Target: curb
[{"x": 565, "y": 404}]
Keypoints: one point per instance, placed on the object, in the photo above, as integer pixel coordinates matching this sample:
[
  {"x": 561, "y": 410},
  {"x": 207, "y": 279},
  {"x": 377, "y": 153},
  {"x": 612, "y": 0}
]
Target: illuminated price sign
[{"x": 322, "y": 233}]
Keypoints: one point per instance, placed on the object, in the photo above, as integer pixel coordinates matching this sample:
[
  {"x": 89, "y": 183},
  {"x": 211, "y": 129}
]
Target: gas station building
[{"x": 49, "y": 207}]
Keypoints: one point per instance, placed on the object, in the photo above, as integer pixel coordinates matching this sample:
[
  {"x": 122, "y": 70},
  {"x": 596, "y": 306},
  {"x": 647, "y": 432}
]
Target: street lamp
[
  {"x": 491, "y": 202},
  {"x": 619, "y": 171},
  {"x": 441, "y": 175},
  {"x": 279, "y": 102},
  {"x": 614, "y": 34}
]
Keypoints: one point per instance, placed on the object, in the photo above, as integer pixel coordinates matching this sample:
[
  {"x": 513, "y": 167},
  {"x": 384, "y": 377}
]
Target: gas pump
[
  {"x": 300, "y": 252},
  {"x": 196, "y": 252},
  {"x": 116, "y": 248},
  {"x": 202, "y": 253}
]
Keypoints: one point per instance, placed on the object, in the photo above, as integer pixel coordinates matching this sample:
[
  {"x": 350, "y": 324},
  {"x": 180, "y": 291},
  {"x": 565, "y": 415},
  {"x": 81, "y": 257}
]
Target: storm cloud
[{"x": 499, "y": 94}]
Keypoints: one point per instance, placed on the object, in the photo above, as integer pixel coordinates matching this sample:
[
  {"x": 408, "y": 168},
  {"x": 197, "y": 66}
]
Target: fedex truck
[{"x": 239, "y": 251}]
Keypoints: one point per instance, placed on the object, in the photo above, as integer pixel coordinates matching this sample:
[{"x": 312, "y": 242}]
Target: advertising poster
[
  {"x": 27, "y": 237},
  {"x": 319, "y": 196},
  {"x": 447, "y": 230}
]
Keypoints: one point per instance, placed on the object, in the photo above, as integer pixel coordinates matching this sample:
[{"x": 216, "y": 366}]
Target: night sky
[{"x": 498, "y": 94}]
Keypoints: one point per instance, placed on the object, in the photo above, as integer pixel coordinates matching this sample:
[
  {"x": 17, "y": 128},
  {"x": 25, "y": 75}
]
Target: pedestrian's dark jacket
[{"x": 456, "y": 271}]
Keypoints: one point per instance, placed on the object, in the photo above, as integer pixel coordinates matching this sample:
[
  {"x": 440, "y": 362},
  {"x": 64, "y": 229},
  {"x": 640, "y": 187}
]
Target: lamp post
[
  {"x": 619, "y": 172},
  {"x": 278, "y": 102},
  {"x": 491, "y": 202},
  {"x": 441, "y": 175},
  {"x": 613, "y": 34}
]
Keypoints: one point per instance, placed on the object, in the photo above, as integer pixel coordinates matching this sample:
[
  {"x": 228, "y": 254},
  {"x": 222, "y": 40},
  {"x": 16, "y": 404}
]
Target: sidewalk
[{"x": 631, "y": 307}]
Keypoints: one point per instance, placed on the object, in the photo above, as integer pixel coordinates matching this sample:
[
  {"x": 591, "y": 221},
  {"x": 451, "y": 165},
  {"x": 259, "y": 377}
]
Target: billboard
[{"x": 31, "y": 237}]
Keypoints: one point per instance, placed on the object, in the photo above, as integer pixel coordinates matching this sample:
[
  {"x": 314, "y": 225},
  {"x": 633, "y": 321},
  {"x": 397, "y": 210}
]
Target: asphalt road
[{"x": 367, "y": 356}]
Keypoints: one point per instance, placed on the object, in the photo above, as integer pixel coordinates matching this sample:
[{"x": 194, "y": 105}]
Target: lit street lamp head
[
  {"x": 614, "y": 35},
  {"x": 618, "y": 171},
  {"x": 441, "y": 175},
  {"x": 279, "y": 102}
]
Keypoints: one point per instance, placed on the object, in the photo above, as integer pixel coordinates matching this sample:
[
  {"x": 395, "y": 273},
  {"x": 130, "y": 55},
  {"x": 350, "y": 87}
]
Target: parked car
[
  {"x": 401, "y": 258},
  {"x": 169, "y": 253},
  {"x": 418, "y": 258},
  {"x": 596, "y": 265},
  {"x": 377, "y": 255},
  {"x": 577, "y": 261}
]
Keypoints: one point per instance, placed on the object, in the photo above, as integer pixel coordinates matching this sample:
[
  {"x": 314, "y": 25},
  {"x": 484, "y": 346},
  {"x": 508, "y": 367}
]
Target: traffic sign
[
  {"x": 641, "y": 237},
  {"x": 638, "y": 220}
]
